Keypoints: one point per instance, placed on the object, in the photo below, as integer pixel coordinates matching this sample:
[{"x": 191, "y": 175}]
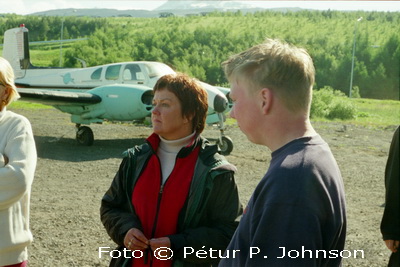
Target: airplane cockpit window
[
  {"x": 96, "y": 74},
  {"x": 127, "y": 75},
  {"x": 112, "y": 72},
  {"x": 158, "y": 69},
  {"x": 132, "y": 72}
]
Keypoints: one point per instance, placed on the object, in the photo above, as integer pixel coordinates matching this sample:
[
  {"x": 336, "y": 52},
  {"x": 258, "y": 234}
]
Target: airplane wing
[
  {"x": 110, "y": 102},
  {"x": 55, "y": 97}
]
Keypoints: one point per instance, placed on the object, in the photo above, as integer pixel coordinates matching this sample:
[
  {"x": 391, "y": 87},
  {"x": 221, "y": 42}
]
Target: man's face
[{"x": 246, "y": 109}]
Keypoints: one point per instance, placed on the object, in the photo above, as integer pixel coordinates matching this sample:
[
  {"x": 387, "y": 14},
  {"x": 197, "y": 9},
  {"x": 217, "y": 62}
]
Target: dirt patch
[{"x": 71, "y": 179}]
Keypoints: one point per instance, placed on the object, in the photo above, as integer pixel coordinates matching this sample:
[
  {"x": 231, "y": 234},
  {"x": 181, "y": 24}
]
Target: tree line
[{"x": 198, "y": 44}]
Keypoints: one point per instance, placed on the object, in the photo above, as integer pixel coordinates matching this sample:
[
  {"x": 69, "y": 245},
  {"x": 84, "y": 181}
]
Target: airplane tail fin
[{"x": 16, "y": 50}]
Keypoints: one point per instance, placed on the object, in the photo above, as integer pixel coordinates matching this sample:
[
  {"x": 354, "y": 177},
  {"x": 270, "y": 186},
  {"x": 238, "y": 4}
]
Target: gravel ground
[{"x": 71, "y": 179}]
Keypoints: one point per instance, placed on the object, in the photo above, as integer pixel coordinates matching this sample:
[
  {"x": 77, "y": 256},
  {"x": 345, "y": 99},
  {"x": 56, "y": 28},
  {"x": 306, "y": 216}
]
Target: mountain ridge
[{"x": 177, "y": 8}]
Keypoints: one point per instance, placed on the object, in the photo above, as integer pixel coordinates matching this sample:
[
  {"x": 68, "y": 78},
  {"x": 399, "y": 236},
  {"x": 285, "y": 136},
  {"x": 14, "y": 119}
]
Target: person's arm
[
  {"x": 222, "y": 210},
  {"x": 19, "y": 164},
  {"x": 116, "y": 212},
  {"x": 390, "y": 224}
]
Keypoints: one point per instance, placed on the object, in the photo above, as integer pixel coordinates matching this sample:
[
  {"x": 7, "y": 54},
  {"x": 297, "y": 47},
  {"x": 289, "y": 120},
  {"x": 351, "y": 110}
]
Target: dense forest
[{"x": 198, "y": 44}]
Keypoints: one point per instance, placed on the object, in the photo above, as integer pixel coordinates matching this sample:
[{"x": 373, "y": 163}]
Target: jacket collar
[{"x": 154, "y": 141}]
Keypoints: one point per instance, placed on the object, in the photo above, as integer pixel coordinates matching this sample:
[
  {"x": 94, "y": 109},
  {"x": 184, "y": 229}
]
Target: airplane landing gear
[
  {"x": 84, "y": 135},
  {"x": 224, "y": 142}
]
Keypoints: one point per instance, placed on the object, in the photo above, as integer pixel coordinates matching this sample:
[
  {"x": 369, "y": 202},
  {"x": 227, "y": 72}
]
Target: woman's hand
[
  {"x": 159, "y": 242},
  {"x": 165, "y": 247},
  {"x": 135, "y": 240}
]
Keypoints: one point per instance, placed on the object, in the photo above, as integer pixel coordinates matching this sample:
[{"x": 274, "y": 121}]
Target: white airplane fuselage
[{"x": 143, "y": 73}]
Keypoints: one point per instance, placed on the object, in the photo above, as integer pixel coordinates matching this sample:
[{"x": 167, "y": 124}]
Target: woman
[
  {"x": 176, "y": 191},
  {"x": 17, "y": 168}
]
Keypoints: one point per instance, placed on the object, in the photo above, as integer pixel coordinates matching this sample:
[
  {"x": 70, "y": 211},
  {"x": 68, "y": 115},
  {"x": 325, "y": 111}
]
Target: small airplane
[{"x": 113, "y": 92}]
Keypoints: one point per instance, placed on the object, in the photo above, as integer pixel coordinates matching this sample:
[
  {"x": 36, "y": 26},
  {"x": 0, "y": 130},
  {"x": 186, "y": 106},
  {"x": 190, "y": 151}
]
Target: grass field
[
  {"x": 371, "y": 112},
  {"x": 377, "y": 112}
]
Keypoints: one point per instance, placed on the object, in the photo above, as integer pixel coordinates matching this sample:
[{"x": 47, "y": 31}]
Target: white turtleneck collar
[
  {"x": 167, "y": 151},
  {"x": 173, "y": 146}
]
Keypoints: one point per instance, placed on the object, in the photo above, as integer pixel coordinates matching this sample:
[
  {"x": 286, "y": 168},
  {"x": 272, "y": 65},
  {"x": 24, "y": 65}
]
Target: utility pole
[
  {"x": 352, "y": 59},
  {"x": 61, "y": 39}
]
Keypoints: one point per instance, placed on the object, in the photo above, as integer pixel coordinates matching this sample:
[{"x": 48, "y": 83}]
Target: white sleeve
[
  {"x": 17, "y": 176},
  {"x": 2, "y": 161}
]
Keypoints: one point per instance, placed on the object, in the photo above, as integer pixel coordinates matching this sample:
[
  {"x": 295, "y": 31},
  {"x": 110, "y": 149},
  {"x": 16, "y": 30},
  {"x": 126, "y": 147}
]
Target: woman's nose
[{"x": 154, "y": 110}]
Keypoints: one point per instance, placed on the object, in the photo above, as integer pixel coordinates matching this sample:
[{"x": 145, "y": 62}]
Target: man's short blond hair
[{"x": 285, "y": 69}]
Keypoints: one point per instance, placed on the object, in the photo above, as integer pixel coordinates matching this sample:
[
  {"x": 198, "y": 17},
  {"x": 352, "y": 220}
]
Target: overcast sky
[{"x": 24, "y": 7}]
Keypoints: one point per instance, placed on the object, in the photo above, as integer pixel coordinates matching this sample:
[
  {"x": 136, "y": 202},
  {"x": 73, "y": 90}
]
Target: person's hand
[
  {"x": 164, "y": 243},
  {"x": 392, "y": 245},
  {"x": 159, "y": 242},
  {"x": 135, "y": 240}
]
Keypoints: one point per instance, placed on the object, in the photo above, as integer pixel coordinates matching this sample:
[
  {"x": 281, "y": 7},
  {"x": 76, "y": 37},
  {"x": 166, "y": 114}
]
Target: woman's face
[{"x": 167, "y": 118}]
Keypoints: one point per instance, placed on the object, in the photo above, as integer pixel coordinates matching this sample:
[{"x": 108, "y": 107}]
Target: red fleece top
[{"x": 158, "y": 206}]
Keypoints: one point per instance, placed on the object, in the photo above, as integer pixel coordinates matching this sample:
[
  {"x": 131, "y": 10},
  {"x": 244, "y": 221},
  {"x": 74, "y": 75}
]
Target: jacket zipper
[
  {"x": 155, "y": 223},
  {"x": 158, "y": 207},
  {"x": 157, "y": 210}
]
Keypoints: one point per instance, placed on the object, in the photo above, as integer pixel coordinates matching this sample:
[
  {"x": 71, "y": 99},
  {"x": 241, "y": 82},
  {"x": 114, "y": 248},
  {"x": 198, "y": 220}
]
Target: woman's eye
[{"x": 160, "y": 105}]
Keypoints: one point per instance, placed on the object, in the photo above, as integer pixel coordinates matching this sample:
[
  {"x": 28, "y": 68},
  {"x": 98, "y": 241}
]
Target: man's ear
[{"x": 266, "y": 100}]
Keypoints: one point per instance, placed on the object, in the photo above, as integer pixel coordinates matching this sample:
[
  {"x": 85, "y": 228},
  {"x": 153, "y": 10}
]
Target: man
[
  {"x": 296, "y": 215},
  {"x": 390, "y": 224}
]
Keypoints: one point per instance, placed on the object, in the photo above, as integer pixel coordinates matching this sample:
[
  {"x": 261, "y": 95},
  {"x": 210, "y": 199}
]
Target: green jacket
[{"x": 210, "y": 214}]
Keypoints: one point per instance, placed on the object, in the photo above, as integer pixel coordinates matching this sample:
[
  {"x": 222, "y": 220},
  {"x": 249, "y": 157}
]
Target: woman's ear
[
  {"x": 266, "y": 100},
  {"x": 187, "y": 119},
  {"x": 3, "y": 98},
  {"x": 5, "y": 93}
]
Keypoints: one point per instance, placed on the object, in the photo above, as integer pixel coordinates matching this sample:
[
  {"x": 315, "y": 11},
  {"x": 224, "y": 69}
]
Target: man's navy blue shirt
[{"x": 296, "y": 215}]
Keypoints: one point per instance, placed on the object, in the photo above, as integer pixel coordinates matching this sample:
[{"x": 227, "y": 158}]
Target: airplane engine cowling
[
  {"x": 217, "y": 101},
  {"x": 220, "y": 103},
  {"x": 125, "y": 102}
]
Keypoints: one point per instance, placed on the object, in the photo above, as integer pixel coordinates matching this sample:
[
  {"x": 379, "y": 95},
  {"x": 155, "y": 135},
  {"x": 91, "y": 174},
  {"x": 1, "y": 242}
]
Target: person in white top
[{"x": 17, "y": 167}]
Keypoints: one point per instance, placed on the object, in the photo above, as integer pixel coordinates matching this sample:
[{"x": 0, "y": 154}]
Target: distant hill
[
  {"x": 177, "y": 8},
  {"x": 97, "y": 12},
  {"x": 203, "y": 5}
]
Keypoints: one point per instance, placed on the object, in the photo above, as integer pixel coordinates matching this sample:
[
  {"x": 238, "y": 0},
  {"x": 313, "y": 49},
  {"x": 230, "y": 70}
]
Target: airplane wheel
[
  {"x": 84, "y": 136},
  {"x": 226, "y": 145}
]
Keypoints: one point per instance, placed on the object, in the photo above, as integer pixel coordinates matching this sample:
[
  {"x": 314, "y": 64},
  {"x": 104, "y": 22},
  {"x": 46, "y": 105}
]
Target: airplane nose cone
[{"x": 220, "y": 103}]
